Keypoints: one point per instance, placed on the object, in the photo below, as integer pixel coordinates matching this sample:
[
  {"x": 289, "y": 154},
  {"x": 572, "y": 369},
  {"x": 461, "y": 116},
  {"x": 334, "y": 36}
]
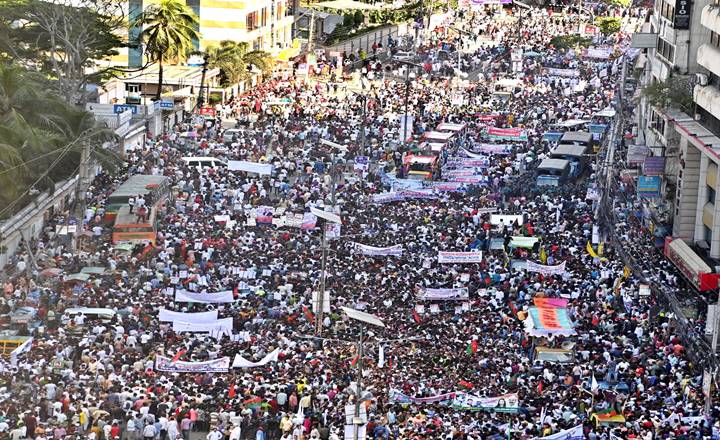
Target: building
[
  {"x": 694, "y": 134},
  {"x": 263, "y": 24}
]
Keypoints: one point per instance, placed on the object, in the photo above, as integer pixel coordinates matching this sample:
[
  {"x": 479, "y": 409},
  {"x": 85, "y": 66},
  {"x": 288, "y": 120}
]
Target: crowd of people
[{"x": 624, "y": 372}]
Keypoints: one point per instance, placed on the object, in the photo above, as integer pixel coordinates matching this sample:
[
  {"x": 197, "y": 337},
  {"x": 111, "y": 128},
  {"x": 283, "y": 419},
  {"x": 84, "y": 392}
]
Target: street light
[
  {"x": 408, "y": 76},
  {"x": 366, "y": 318}
]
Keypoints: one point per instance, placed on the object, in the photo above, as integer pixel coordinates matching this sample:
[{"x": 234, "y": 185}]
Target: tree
[
  {"x": 66, "y": 39},
  {"x": 41, "y": 136},
  {"x": 235, "y": 61},
  {"x": 609, "y": 25},
  {"x": 676, "y": 91},
  {"x": 169, "y": 28},
  {"x": 359, "y": 18}
]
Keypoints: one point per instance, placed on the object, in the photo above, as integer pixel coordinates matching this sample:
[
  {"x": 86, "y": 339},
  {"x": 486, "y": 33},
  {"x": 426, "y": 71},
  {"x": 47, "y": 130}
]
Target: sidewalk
[{"x": 366, "y": 41}]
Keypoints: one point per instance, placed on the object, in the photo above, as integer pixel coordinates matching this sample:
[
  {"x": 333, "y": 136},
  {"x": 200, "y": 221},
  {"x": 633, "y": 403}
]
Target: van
[
  {"x": 103, "y": 314},
  {"x": 576, "y": 154},
  {"x": 204, "y": 162}
]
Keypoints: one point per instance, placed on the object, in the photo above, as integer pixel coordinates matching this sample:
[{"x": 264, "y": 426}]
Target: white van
[
  {"x": 105, "y": 315},
  {"x": 204, "y": 162}
]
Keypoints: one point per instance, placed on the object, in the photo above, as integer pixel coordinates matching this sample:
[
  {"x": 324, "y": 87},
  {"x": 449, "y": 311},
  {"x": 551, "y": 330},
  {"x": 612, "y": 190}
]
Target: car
[
  {"x": 231, "y": 133},
  {"x": 23, "y": 315},
  {"x": 404, "y": 56}
]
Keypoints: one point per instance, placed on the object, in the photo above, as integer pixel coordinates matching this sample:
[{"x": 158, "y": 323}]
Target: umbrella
[{"x": 50, "y": 272}]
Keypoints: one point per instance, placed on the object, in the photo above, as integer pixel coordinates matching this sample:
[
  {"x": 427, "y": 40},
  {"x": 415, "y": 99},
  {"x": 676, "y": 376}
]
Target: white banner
[
  {"x": 532, "y": 266},
  {"x": 457, "y": 294},
  {"x": 504, "y": 403},
  {"x": 395, "y": 251},
  {"x": 195, "y": 318},
  {"x": 250, "y": 167},
  {"x": 241, "y": 362},
  {"x": 224, "y": 325},
  {"x": 459, "y": 257},
  {"x": 225, "y": 296},
  {"x": 575, "y": 433},
  {"x": 221, "y": 365},
  {"x": 509, "y": 220}
]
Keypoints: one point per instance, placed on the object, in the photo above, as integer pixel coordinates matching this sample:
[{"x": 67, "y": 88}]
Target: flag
[
  {"x": 465, "y": 385},
  {"x": 354, "y": 360},
  {"x": 594, "y": 387},
  {"x": 601, "y": 248},
  {"x": 178, "y": 355},
  {"x": 252, "y": 403},
  {"x": 308, "y": 314},
  {"x": 472, "y": 347},
  {"x": 590, "y": 250},
  {"x": 627, "y": 272},
  {"x": 543, "y": 256},
  {"x": 231, "y": 391},
  {"x": 540, "y": 390},
  {"x": 416, "y": 317}
]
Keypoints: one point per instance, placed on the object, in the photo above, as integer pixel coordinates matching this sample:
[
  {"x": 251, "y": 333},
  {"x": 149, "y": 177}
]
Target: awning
[{"x": 690, "y": 264}]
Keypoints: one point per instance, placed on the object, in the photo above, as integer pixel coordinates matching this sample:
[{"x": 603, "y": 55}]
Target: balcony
[
  {"x": 708, "y": 56},
  {"x": 710, "y": 17},
  {"x": 708, "y": 97}
]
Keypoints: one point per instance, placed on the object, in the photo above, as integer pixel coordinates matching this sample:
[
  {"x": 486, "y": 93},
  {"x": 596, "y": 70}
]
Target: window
[
  {"x": 657, "y": 122},
  {"x": 666, "y": 50},
  {"x": 251, "y": 22},
  {"x": 715, "y": 38},
  {"x": 710, "y": 195},
  {"x": 667, "y": 11},
  {"x": 132, "y": 88},
  {"x": 263, "y": 17},
  {"x": 708, "y": 234}
]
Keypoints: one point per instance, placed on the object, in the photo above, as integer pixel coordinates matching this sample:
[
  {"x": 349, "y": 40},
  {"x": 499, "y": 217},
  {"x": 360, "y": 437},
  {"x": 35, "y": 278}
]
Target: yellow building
[{"x": 263, "y": 24}]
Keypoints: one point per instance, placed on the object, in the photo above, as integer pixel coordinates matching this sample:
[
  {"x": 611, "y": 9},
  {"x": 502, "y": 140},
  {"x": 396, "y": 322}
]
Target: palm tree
[
  {"x": 169, "y": 28},
  {"x": 235, "y": 61}
]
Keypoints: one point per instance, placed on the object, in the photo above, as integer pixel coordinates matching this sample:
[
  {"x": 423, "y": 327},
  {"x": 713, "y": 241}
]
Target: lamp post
[{"x": 408, "y": 76}]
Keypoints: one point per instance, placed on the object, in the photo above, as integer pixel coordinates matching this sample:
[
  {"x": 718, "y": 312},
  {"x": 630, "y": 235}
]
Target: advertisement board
[{"x": 648, "y": 187}]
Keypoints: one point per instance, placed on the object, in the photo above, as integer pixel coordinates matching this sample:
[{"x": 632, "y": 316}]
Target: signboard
[
  {"x": 124, "y": 117},
  {"x": 121, "y": 108},
  {"x": 711, "y": 310},
  {"x": 167, "y": 105},
  {"x": 644, "y": 41},
  {"x": 648, "y": 187},
  {"x": 207, "y": 111},
  {"x": 590, "y": 29},
  {"x": 654, "y": 166},
  {"x": 682, "y": 14}
]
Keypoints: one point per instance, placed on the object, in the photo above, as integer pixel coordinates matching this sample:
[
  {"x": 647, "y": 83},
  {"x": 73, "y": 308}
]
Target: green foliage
[
  {"x": 623, "y": 3},
  {"x": 570, "y": 41},
  {"x": 348, "y": 20},
  {"x": 40, "y": 135},
  {"x": 609, "y": 25},
  {"x": 235, "y": 61},
  {"x": 169, "y": 28},
  {"x": 393, "y": 16},
  {"x": 358, "y": 18},
  {"x": 676, "y": 91},
  {"x": 63, "y": 39}
]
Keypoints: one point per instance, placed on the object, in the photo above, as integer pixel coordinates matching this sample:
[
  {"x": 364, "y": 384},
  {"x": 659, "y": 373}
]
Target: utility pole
[
  {"x": 81, "y": 190},
  {"x": 708, "y": 373},
  {"x": 311, "y": 32},
  {"x": 407, "y": 98},
  {"x": 321, "y": 294},
  {"x": 358, "y": 388}
]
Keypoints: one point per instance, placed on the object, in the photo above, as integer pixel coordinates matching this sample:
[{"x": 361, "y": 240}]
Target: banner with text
[
  {"x": 225, "y": 296},
  {"x": 459, "y": 257},
  {"x": 166, "y": 315},
  {"x": 224, "y": 325},
  {"x": 221, "y": 365},
  {"x": 241, "y": 362},
  {"x": 456, "y": 294},
  {"x": 397, "y": 396},
  {"x": 532, "y": 266},
  {"x": 504, "y": 403},
  {"x": 364, "y": 249}
]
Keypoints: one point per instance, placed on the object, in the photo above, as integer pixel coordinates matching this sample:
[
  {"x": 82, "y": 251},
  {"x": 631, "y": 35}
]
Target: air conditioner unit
[{"x": 701, "y": 79}]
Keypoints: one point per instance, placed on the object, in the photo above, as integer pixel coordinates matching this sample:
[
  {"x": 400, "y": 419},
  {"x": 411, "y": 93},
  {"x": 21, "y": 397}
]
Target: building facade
[
  {"x": 693, "y": 133},
  {"x": 264, "y": 24}
]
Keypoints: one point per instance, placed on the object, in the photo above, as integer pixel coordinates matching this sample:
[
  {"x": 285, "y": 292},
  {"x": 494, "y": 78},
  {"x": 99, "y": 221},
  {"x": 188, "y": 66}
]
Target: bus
[
  {"x": 127, "y": 229},
  {"x": 421, "y": 167},
  {"x": 582, "y": 138},
  {"x": 575, "y": 154},
  {"x": 152, "y": 188},
  {"x": 448, "y": 127},
  {"x": 553, "y": 172}
]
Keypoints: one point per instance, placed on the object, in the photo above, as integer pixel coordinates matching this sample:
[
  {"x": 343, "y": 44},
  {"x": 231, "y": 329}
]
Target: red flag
[
  {"x": 231, "y": 391},
  {"x": 465, "y": 385},
  {"x": 416, "y": 316},
  {"x": 178, "y": 355},
  {"x": 354, "y": 361},
  {"x": 540, "y": 387},
  {"x": 308, "y": 314},
  {"x": 474, "y": 346}
]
